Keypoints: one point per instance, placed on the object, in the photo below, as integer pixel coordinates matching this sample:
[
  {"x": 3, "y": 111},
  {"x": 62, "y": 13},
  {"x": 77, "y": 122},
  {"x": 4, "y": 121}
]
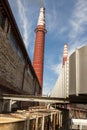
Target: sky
[{"x": 66, "y": 22}]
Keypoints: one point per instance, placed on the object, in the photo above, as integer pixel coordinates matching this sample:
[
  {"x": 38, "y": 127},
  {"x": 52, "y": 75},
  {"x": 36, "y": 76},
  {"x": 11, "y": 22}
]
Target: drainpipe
[
  {"x": 43, "y": 120},
  {"x": 35, "y": 87},
  {"x": 20, "y": 103},
  {"x": 24, "y": 74}
]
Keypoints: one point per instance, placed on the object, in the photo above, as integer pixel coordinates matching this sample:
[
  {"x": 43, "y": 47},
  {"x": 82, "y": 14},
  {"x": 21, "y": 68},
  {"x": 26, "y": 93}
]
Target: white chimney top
[
  {"x": 65, "y": 53},
  {"x": 41, "y": 19}
]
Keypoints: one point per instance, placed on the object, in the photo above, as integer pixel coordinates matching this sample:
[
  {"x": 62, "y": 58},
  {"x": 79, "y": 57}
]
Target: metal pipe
[{"x": 43, "y": 123}]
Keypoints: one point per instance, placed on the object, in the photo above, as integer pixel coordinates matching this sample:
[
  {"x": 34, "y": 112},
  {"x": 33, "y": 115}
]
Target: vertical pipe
[
  {"x": 36, "y": 127},
  {"x": 2, "y": 102},
  {"x": 9, "y": 106},
  {"x": 43, "y": 123},
  {"x": 9, "y": 30},
  {"x": 6, "y": 25},
  {"x": 59, "y": 120},
  {"x": 35, "y": 91},
  {"x": 27, "y": 123},
  {"x": 80, "y": 127},
  {"x": 54, "y": 122},
  {"x": 24, "y": 74}
]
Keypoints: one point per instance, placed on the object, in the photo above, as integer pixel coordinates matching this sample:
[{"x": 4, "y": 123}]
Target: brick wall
[{"x": 12, "y": 68}]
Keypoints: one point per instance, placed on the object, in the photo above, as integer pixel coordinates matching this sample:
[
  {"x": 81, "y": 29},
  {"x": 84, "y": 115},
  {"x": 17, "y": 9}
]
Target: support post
[
  {"x": 1, "y": 106},
  {"x": 80, "y": 127},
  {"x": 54, "y": 122},
  {"x": 59, "y": 120},
  {"x": 43, "y": 123},
  {"x": 27, "y": 123},
  {"x": 36, "y": 127},
  {"x": 9, "y": 106}
]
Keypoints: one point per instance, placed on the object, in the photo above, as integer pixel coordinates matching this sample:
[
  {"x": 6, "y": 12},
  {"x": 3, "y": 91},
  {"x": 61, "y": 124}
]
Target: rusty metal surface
[{"x": 33, "y": 119}]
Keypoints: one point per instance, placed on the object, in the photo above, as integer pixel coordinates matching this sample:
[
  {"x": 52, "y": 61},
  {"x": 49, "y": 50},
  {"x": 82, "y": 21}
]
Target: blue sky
[{"x": 66, "y": 22}]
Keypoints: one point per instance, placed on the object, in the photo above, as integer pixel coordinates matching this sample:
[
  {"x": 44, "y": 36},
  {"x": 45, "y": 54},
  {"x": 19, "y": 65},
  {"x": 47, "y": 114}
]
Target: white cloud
[
  {"x": 46, "y": 89},
  {"x": 24, "y": 21},
  {"x": 48, "y": 85},
  {"x": 51, "y": 17},
  {"x": 78, "y": 19},
  {"x": 77, "y": 28},
  {"x": 56, "y": 68},
  {"x": 63, "y": 29},
  {"x": 51, "y": 20},
  {"x": 77, "y": 44}
]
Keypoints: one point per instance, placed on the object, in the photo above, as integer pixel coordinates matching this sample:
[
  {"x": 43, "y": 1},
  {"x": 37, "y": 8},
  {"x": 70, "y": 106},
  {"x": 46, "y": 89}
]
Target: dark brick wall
[{"x": 12, "y": 68}]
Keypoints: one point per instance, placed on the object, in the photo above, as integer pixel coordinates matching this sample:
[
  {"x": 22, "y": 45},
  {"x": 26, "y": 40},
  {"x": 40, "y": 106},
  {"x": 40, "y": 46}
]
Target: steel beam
[{"x": 33, "y": 98}]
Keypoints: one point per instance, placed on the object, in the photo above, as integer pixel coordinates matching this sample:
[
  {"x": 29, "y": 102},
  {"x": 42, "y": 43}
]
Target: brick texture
[
  {"x": 38, "y": 61},
  {"x": 12, "y": 68}
]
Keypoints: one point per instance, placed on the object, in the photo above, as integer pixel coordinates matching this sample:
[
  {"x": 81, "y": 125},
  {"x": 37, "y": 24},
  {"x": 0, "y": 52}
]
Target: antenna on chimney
[{"x": 42, "y": 3}]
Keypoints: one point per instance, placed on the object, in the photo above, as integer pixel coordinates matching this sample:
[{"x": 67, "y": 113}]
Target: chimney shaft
[
  {"x": 38, "y": 60},
  {"x": 65, "y": 53}
]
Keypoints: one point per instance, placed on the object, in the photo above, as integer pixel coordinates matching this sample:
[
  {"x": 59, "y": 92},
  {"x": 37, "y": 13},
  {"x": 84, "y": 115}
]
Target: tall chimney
[
  {"x": 65, "y": 53},
  {"x": 38, "y": 60}
]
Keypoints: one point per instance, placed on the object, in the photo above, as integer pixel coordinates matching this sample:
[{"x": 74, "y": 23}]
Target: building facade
[
  {"x": 72, "y": 81},
  {"x": 16, "y": 71}
]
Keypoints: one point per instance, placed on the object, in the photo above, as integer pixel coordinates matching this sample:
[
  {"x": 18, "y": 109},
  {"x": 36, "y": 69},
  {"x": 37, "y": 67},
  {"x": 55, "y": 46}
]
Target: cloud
[
  {"x": 78, "y": 22},
  {"x": 51, "y": 17},
  {"x": 48, "y": 85},
  {"x": 56, "y": 68},
  {"x": 46, "y": 89},
  {"x": 76, "y": 25},
  {"x": 24, "y": 21},
  {"x": 51, "y": 73},
  {"x": 77, "y": 37},
  {"x": 53, "y": 64},
  {"x": 79, "y": 18},
  {"x": 63, "y": 29},
  {"x": 51, "y": 20}
]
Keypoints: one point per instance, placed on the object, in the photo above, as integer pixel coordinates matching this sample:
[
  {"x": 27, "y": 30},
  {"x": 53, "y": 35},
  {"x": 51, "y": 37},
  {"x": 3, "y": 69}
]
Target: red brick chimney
[
  {"x": 65, "y": 53},
  {"x": 38, "y": 60}
]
